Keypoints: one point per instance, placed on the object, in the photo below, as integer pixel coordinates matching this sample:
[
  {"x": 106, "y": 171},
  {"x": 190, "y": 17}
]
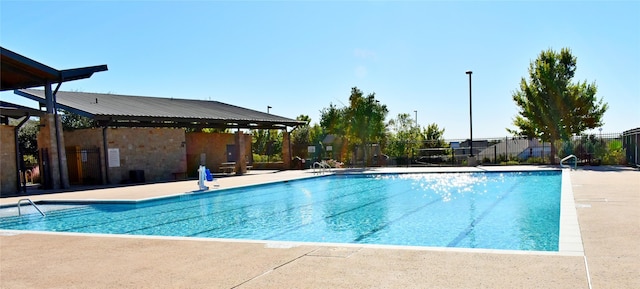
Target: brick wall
[
  {"x": 159, "y": 152},
  {"x": 214, "y": 148},
  {"x": 8, "y": 175},
  {"x": 84, "y": 139}
]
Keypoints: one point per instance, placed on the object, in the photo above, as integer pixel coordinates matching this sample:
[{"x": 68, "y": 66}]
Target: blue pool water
[{"x": 515, "y": 210}]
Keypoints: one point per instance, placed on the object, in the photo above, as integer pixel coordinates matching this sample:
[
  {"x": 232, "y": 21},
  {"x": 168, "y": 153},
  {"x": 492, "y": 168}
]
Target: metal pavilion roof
[
  {"x": 15, "y": 111},
  {"x": 144, "y": 111},
  {"x": 18, "y": 71}
]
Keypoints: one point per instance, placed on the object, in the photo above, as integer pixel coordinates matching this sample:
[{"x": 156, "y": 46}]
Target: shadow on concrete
[
  {"x": 36, "y": 190},
  {"x": 607, "y": 168}
]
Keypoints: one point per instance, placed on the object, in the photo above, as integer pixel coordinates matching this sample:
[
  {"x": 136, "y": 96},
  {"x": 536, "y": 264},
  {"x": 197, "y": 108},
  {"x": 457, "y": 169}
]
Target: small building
[
  {"x": 630, "y": 141},
  {"x": 19, "y": 72},
  {"x": 138, "y": 139},
  {"x": 144, "y": 139}
]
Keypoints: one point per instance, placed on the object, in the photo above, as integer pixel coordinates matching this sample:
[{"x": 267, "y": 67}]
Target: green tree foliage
[
  {"x": 316, "y": 134},
  {"x": 404, "y": 136},
  {"x": 71, "y": 121},
  {"x": 552, "y": 107},
  {"x": 28, "y": 140},
  {"x": 305, "y": 135},
  {"x": 365, "y": 120},
  {"x": 360, "y": 124},
  {"x": 267, "y": 142},
  {"x": 302, "y": 134},
  {"x": 333, "y": 120},
  {"x": 433, "y": 136},
  {"x": 208, "y": 130}
]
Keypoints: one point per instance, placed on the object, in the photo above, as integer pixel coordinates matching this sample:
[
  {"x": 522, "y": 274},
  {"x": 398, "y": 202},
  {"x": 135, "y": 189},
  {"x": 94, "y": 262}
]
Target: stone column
[
  {"x": 241, "y": 161},
  {"x": 8, "y": 151},
  {"x": 286, "y": 150},
  {"x": 48, "y": 138}
]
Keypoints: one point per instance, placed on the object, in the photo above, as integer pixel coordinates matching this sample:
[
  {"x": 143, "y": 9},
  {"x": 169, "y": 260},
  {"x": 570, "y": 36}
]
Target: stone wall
[
  {"x": 85, "y": 138},
  {"x": 159, "y": 152},
  {"x": 8, "y": 172},
  {"x": 214, "y": 148},
  {"x": 91, "y": 140}
]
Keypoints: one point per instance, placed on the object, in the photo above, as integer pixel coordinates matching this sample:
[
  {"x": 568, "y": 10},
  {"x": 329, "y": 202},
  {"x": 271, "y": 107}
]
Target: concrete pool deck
[{"x": 607, "y": 202}]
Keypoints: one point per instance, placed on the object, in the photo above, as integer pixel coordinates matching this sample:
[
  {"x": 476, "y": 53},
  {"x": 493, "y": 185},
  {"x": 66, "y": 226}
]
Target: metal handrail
[
  {"x": 575, "y": 161},
  {"x": 30, "y": 202},
  {"x": 322, "y": 166}
]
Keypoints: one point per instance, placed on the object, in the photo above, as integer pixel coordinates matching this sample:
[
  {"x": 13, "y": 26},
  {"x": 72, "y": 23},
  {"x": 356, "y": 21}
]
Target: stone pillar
[
  {"x": 8, "y": 173},
  {"x": 48, "y": 138},
  {"x": 241, "y": 161},
  {"x": 286, "y": 150}
]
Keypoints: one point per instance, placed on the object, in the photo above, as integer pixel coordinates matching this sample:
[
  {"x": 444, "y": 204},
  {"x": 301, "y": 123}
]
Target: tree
[
  {"x": 360, "y": 124},
  {"x": 433, "y": 136},
  {"x": 365, "y": 120},
  {"x": 28, "y": 140},
  {"x": 333, "y": 120},
  {"x": 301, "y": 135},
  {"x": 305, "y": 135},
  {"x": 404, "y": 137},
  {"x": 71, "y": 121},
  {"x": 552, "y": 107}
]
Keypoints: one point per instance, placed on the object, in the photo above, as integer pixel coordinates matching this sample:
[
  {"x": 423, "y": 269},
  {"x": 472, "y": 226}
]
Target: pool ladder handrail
[
  {"x": 575, "y": 162},
  {"x": 321, "y": 166},
  {"x": 33, "y": 204}
]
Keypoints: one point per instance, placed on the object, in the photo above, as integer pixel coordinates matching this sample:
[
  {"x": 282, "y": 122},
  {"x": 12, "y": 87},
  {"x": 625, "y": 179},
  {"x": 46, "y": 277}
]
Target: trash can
[{"x": 136, "y": 176}]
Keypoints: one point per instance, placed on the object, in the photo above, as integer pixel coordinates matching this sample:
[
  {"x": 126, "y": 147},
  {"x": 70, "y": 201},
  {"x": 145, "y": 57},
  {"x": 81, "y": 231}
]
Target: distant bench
[
  {"x": 230, "y": 167},
  {"x": 179, "y": 175}
]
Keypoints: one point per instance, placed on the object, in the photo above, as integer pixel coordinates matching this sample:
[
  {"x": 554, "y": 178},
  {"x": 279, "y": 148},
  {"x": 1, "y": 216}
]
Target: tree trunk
[{"x": 552, "y": 157}]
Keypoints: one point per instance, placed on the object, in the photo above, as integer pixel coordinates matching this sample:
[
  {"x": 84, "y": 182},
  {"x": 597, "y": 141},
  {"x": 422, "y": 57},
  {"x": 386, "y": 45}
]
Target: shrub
[
  {"x": 615, "y": 155},
  {"x": 264, "y": 158}
]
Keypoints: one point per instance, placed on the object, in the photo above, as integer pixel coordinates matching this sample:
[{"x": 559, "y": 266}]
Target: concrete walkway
[{"x": 607, "y": 202}]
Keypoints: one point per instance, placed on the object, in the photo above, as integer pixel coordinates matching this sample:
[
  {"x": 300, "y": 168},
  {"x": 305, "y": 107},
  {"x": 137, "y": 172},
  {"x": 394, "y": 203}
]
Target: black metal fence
[{"x": 592, "y": 149}]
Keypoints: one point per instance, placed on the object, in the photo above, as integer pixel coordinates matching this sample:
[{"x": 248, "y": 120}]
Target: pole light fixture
[{"x": 469, "y": 72}]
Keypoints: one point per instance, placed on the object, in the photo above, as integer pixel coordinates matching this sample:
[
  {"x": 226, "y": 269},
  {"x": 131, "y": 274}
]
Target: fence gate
[{"x": 84, "y": 166}]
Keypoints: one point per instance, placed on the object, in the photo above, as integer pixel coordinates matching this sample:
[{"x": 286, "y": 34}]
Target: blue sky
[{"x": 300, "y": 56}]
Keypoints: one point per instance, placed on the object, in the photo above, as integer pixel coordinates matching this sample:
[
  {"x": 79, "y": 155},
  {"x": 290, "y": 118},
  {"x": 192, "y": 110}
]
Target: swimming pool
[{"x": 496, "y": 210}]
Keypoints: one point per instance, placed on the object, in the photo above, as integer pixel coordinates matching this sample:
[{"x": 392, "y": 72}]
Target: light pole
[
  {"x": 416, "y": 117},
  {"x": 268, "y": 139},
  {"x": 469, "y": 72}
]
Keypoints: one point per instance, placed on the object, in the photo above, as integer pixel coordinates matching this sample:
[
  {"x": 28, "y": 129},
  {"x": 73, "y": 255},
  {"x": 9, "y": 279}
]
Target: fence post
[{"x": 506, "y": 148}]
